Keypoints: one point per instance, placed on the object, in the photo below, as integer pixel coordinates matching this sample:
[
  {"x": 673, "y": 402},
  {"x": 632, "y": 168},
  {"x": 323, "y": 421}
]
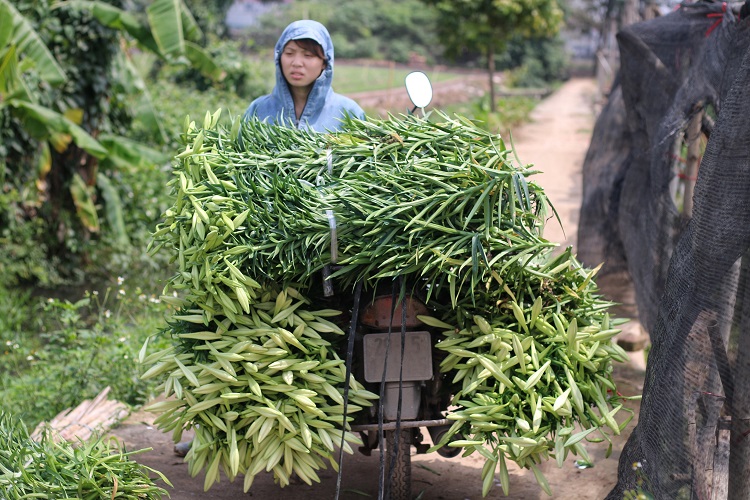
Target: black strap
[
  {"x": 397, "y": 431},
  {"x": 349, "y": 355},
  {"x": 392, "y": 453},
  {"x": 381, "y": 490}
]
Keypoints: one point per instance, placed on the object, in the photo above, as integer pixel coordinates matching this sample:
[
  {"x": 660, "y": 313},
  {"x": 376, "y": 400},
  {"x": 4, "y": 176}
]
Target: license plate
[{"x": 417, "y": 356}]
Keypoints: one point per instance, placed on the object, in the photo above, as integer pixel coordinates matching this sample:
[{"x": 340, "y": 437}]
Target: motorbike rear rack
[{"x": 404, "y": 424}]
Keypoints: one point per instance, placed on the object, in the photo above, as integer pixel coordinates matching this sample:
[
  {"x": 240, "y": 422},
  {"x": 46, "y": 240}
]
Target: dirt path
[{"x": 555, "y": 142}]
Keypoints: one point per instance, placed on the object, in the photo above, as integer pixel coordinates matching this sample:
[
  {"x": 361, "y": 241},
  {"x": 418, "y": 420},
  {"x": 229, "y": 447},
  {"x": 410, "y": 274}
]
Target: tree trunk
[
  {"x": 630, "y": 14},
  {"x": 491, "y": 71}
]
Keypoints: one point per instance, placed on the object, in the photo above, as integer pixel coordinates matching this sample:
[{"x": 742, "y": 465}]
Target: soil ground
[
  {"x": 379, "y": 103},
  {"x": 555, "y": 141}
]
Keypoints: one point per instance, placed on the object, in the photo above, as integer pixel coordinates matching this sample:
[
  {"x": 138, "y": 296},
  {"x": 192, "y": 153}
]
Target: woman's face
[{"x": 300, "y": 66}]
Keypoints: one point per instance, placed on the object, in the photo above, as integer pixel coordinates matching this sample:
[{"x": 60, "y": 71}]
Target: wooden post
[
  {"x": 704, "y": 446},
  {"x": 739, "y": 445},
  {"x": 721, "y": 461}
]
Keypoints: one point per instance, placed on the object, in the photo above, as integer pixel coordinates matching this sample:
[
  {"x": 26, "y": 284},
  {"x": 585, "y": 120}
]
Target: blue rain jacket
[{"x": 324, "y": 108}]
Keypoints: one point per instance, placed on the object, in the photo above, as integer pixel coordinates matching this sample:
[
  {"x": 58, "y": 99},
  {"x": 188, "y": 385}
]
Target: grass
[
  {"x": 511, "y": 112},
  {"x": 353, "y": 78},
  {"x": 350, "y": 79}
]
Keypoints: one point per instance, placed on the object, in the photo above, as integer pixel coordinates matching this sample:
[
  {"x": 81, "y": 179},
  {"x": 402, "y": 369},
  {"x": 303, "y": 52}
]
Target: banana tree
[
  {"x": 168, "y": 30},
  {"x": 171, "y": 32}
]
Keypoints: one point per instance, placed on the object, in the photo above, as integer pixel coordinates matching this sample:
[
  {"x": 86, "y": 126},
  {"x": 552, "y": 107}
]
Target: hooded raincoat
[{"x": 325, "y": 108}]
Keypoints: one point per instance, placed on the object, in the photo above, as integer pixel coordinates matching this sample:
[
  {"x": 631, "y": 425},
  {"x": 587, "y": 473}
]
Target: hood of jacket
[
  {"x": 322, "y": 86},
  {"x": 324, "y": 109}
]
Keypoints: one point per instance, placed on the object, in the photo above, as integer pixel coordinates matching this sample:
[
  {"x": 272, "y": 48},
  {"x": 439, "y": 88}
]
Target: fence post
[
  {"x": 739, "y": 446},
  {"x": 721, "y": 461}
]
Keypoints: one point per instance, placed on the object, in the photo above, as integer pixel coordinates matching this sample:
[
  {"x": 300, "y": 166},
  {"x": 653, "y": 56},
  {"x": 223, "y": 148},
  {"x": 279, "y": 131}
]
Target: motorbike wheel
[{"x": 398, "y": 465}]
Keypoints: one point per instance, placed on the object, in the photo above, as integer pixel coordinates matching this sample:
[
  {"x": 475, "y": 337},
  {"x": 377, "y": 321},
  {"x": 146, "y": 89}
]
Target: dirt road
[{"x": 555, "y": 142}]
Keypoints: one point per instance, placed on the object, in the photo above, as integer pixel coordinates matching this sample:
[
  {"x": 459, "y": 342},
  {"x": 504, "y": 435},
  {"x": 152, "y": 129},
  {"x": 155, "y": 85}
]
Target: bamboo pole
[{"x": 90, "y": 417}]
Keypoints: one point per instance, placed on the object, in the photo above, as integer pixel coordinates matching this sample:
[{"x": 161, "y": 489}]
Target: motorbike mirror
[{"x": 419, "y": 88}]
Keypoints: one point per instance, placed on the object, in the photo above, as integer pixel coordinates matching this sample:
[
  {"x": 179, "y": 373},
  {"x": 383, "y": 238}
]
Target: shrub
[{"x": 72, "y": 349}]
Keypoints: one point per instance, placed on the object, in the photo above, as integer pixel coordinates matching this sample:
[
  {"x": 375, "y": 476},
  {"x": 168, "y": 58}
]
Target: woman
[{"x": 303, "y": 96}]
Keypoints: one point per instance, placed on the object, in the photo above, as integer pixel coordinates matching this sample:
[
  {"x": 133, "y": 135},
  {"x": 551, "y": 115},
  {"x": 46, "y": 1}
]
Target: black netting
[{"x": 686, "y": 269}]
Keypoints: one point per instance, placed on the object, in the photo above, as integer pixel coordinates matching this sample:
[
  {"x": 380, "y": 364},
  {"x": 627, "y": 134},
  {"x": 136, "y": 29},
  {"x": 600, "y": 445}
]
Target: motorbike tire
[{"x": 398, "y": 465}]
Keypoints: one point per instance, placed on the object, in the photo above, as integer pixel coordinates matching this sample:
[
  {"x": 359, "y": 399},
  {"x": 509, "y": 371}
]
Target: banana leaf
[
  {"x": 124, "y": 153},
  {"x": 16, "y": 30},
  {"x": 44, "y": 122},
  {"x": 83, "y": 200},
  {"x": 166, "y": 27},
  {"x": 113, "y": 209}
]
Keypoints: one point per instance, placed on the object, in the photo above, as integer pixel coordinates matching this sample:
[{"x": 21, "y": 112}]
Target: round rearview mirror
[{"x": 419, "y": 88}]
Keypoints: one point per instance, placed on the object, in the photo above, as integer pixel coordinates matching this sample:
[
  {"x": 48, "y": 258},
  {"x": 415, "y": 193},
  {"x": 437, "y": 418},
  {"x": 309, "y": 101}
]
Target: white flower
[
  {"x": 107, "y": 313},
  {"x": 120, "y": 280}
]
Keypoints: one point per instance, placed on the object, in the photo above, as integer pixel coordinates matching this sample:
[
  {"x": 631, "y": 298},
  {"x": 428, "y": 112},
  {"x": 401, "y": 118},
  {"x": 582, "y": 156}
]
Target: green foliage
[
  {"x": 210, "y": 14},
  {"x": 191, "y": 103},
  {"x": 24, "y": 256},
  {"x": 534, "y": 63},
  {"x": 372, "y": 29},
  {"x": 66, "y": 79},
  {"x": 488, "y": 25},
  {"x": 243, "y": 76},
  {"x": 85, "y": 49},
  {"x": 64, "y": 351},
  {"x": 510, "y": 112},
  {"x": 643, "y": 488}
]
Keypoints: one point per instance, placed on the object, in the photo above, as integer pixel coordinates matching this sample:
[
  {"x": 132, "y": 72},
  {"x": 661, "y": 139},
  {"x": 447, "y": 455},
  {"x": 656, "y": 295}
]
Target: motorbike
[{"x": 393, "y": 352}]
